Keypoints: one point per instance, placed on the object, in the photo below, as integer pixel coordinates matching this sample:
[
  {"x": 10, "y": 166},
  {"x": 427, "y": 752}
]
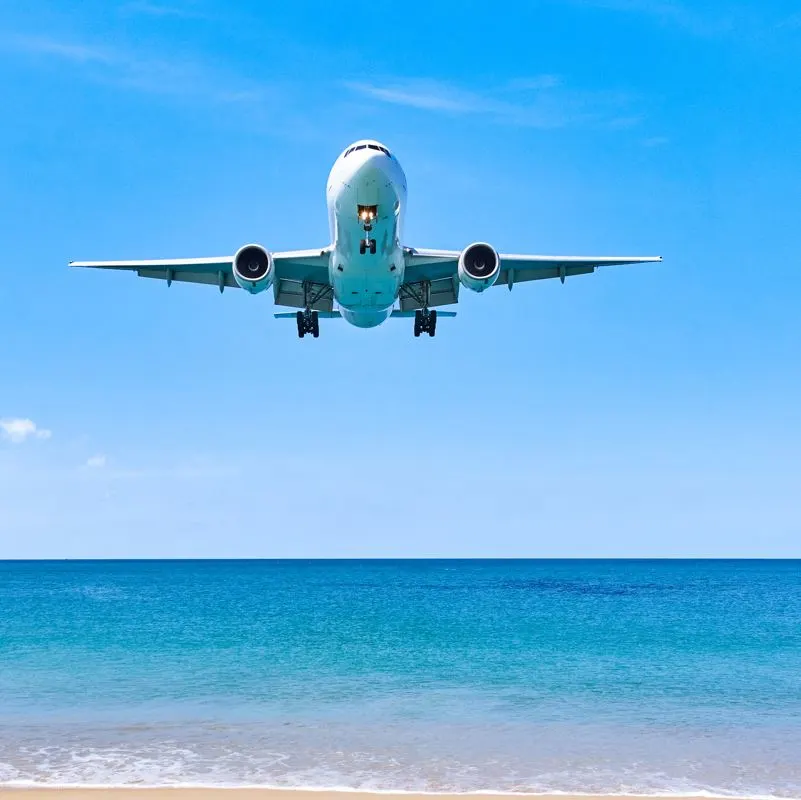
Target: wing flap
[
  {"x": 295, "y": 294},
  {"x": 438, "y": 267},
  {"x": 299, "y": 274},
  {"x": 442, "y": 292},
  {"x": 220, "y": 278},
  {"x": 513, "y": 275}
]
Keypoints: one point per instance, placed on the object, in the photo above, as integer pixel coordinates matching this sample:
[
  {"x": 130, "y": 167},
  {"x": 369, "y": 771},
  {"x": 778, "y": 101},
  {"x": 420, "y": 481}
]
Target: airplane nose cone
[
  {"x": 371, "y": 179},
  {"x": 373, "y": 166}
]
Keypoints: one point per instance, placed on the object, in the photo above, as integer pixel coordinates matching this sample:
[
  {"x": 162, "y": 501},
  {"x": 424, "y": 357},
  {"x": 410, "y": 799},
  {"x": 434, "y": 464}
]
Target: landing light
[{"x": 367, "y": 213}]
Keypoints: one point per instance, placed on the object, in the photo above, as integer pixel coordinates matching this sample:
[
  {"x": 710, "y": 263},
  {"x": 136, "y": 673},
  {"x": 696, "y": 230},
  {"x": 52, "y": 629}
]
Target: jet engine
[
  {"x": 479, "y": 266},
  {"x": 253, "y": 268}
]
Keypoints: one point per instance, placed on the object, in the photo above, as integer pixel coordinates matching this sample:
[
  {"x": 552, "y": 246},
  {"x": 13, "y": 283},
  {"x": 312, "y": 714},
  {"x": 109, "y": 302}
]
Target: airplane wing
[
  {"x": 438, "y": 270},
  {"x": 296, "y": 272}
]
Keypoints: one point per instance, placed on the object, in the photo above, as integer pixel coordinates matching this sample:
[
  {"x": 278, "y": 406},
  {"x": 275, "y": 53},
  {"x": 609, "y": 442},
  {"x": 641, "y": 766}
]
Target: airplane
[{"x": 366, "y": 271}]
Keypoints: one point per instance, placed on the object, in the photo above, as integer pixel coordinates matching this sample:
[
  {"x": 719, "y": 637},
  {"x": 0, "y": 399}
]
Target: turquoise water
[{"x": 595, "y": 676}]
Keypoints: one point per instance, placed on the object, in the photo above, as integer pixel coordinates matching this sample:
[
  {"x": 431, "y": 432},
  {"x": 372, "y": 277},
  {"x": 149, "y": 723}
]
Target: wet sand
[{"x": 262, "y": 794}]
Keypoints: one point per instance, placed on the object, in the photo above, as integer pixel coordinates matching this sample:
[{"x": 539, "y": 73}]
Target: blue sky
[{"x": 640, "y": 411}]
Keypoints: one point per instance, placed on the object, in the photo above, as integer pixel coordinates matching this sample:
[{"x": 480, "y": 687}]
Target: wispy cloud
[
  {"x": 793, "y": 21},
  {"x": 666, "y": 10},
  {"x": 535, "y": 82},
  {"x": 424, "y": 94},
  {"x": 732, "y": 19},
  {"x": 538, "y": 102},
  {"x": 68, "y": 51},
  {"x": 655, "y": 141},
  {"x": 18, "y": 430},
  {"x": 162, "y": 9},
  {"x": 96, "y": 462},
  {"x": 140, "y": 71}
]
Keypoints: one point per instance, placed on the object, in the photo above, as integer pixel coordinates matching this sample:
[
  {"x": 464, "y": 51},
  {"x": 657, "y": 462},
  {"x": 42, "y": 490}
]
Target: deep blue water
[{"x": 608, "y": 676}]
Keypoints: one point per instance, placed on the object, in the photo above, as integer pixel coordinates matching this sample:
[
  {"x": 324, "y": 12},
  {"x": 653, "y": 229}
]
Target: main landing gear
[
  {"x": 308, "y": 322},
  {"x": 425, "y": 321}
]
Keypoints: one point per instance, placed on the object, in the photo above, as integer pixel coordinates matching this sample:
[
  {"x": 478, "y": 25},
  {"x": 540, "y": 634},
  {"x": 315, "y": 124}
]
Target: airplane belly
[{"x": 366, "y": 281}]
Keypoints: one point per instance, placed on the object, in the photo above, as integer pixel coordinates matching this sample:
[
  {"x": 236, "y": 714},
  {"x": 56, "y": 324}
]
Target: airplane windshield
[{"x": 378, "y": 147}]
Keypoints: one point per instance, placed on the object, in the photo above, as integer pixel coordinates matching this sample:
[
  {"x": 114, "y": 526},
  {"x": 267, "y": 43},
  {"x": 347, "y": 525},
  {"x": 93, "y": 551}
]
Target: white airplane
[{"x": 366, "y": 270}]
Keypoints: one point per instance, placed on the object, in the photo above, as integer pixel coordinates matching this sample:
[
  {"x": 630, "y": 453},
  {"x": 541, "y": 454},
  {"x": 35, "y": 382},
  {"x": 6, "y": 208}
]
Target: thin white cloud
[
  {"x": 655, "y": 141},
  {"x": 139, "y": 70},
  {"x": 161, "y": 9},
  {"x": 538, "y": 102},
  {"x": 793, "y": 21},
  {"x": 68, "y": 51},
  {"x": 536, "y": 82},
  {"x": 96, "y": 462},
  {"x": 724, "y": 20},
  {"x": 18, "y": 430},
  {"x": 423, "y": 94}
]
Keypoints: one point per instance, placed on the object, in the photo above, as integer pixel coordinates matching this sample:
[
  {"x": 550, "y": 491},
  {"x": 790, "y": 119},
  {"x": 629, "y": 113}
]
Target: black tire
[
  {"x": 315, "y": 324},
  {"x": 372, "y": 246},
  {"x": 301, "y": 329},
  {"x": 362, "y": 247},
  {"x": 432, "y": 323},
  {"x": 418, "y": 319}
]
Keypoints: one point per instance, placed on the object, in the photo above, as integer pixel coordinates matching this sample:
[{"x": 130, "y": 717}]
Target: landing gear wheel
[
  {"x": 425, "y": 321},
  {"x": 432, "y": 323},
  {"x": 362, "y": 247},
  {"x": 308, "y": 322},
  {"x": 372, "y": 246}
]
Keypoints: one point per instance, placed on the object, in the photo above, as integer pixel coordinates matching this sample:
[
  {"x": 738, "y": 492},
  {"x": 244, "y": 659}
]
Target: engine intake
[
  {"x": 479, "y": 266},
  {"x": 253, "y": 268}
]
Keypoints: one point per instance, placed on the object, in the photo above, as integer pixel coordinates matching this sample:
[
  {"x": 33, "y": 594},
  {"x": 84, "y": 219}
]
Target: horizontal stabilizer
[
  {"x": 320, "y": 314},
  {"x": 410, "y": 314}
]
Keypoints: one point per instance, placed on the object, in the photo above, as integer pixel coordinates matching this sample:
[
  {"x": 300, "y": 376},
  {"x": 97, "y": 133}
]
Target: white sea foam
[
  {"x": 28, "y": 784},
  {"x": 183, "y": 767}
]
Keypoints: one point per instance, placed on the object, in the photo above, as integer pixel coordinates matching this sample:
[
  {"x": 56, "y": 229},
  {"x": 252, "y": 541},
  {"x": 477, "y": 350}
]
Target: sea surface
[{"x": 515, "y": 676}]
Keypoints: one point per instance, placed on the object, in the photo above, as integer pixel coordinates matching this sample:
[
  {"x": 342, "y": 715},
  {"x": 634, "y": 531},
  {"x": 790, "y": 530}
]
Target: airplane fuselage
[{"x": 366, "y": 196}]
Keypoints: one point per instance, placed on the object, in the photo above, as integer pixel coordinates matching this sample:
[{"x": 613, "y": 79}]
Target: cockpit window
[{"x": 370, "y": 146}]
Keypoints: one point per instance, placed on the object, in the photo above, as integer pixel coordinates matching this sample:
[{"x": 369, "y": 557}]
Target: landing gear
[
  {"x": 308, "y": 322},
  {"x": 367, "y": 216},
  {"x": 425, "y": 321}
]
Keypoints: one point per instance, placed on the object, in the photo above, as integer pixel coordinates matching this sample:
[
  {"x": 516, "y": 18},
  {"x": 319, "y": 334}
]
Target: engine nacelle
[
  {"x": 479, "y": 266},
  {"x": 254, "y": 269}
]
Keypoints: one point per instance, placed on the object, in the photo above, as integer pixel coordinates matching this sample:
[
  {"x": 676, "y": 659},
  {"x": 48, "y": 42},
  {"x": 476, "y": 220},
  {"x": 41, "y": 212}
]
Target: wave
[{"x": 666, "y": 795}]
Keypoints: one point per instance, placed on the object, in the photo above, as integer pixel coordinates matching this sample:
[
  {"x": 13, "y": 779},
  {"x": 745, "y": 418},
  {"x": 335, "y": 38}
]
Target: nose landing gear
[{"x": 367, "y": 216}]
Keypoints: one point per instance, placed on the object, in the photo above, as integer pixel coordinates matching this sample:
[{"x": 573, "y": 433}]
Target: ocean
[{"x": 666, "y": 677}]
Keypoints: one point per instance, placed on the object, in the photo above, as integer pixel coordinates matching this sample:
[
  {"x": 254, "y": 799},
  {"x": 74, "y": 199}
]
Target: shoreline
[{"x": 73, "y": 792}]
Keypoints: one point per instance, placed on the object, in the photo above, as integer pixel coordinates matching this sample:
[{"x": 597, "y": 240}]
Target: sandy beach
[
  {"x": 166, "y": 793},
  {"x": 259, "y": 794}
]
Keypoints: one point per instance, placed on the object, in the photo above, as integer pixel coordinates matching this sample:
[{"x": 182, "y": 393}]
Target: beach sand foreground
[{"x": 253, "y": 794}]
